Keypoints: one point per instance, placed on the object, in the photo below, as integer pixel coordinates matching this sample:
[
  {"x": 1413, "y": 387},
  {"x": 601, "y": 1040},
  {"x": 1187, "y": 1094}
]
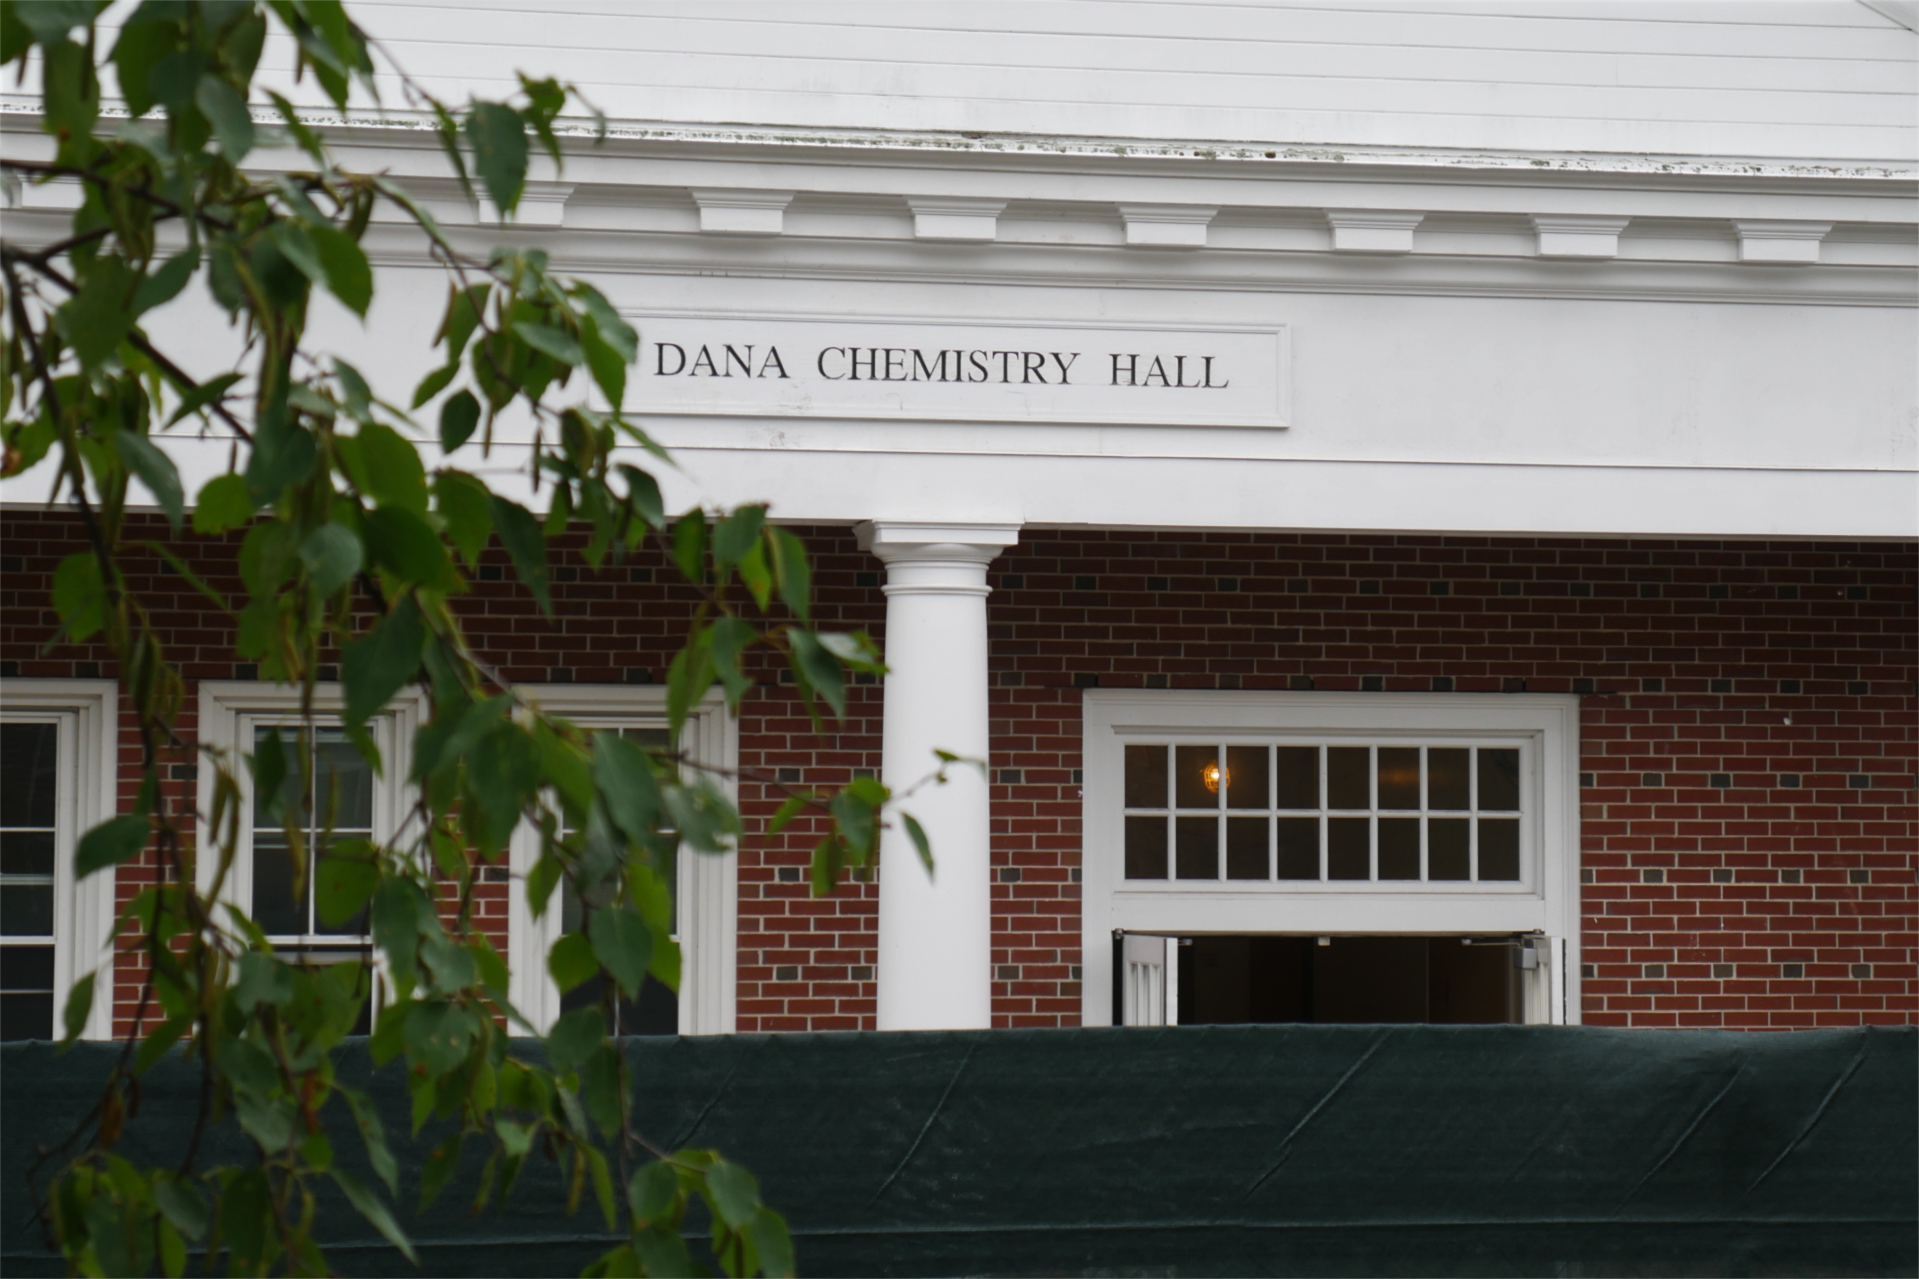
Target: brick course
[{"x": 1748, "y": 729}]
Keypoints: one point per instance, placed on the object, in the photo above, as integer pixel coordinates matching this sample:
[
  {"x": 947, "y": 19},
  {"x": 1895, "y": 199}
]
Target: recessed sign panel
[{"x": 812, "y": 367}]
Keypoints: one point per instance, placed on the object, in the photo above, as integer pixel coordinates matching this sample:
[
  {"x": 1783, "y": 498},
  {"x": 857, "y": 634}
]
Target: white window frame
[
  {"x": 230, "y": 710},
  {"x": 708, "y": 887},
  {"x": 1545, "y": 901},
  {"x": 88, "y": 712}
]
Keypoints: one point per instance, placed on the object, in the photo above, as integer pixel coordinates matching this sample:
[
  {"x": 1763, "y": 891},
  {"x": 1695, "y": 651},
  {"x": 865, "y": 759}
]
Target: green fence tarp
[{"x": 1243, "y": 1150}]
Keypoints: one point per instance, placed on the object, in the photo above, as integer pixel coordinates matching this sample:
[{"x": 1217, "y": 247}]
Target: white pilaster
[{"x": 936, "y": 931}]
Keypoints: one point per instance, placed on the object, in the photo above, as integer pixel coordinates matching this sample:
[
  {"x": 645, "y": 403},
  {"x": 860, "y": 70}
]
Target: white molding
[
  {"x": 1788, "y": 242},
  {"x": 1565, "y": 235},
  {"x": 740, "y": 212},
  {"x": 708, "y": 888},
  {"x": 87, "y": 794},
  {"x": 955, "y": 217},
  {"x": 1167, "y": 226},
  {"x": 1373, "y": 230},
  {"x": 1546, "y": 899}
]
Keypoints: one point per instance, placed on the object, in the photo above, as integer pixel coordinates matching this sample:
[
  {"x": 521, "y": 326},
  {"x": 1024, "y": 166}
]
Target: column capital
[{"x": 935, "y": 559}]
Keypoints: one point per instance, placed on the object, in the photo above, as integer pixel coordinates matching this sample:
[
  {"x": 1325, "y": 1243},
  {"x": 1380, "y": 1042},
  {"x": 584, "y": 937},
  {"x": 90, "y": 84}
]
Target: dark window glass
[
  {"x": 1246, "y": 777},
  {"x": 1298, "y": 777},
  {"x": 1398, "y": 847},
  {"x": 276, "y": 908},
  {"x": 1145, "y": 777},
  {"x": 1347, "y": 769},
  {"x": 1349, "y": 843},
  {"x": 26, "y": 852},
  {"x": 1146, "y": 848},
  {"x": 1498, "y": 782},
  {"x": 1399, "y": 777},
  {"x": 1298, "y": 848},
  {"x": 1449, "y": 848},
  {"x": 1447, "y": 779},
  {"x": 26, "y": 910},
  {"x": 1498, "y": 850},
  {"x": 1196, "y": 776},
  {"x": 28, "y": 756},
  {"x": 1196, "y": 847},
  {"x": 289, "y": 794},
  {"x": 26, "y": 992},
  {"x": 1246, "y": 848},
  {"x": 26, "y": 1016},
  {"x": 342, "y": 783}
]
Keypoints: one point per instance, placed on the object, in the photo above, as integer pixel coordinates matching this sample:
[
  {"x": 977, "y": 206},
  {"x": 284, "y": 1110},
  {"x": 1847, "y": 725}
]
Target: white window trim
[
  {"x": 87, "y": 794},
  {"x": 1547, "y": 901},
  {"x": 708, "y": 888},
  {"x": 229, "y": 709}
]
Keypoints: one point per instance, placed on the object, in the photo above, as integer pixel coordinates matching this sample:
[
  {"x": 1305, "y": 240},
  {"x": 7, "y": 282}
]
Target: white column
[{"x": 936, "y": 932}]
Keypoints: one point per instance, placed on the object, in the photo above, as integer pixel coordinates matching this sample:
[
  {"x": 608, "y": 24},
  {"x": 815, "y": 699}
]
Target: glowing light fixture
[{"x": 1215, "y": 777}]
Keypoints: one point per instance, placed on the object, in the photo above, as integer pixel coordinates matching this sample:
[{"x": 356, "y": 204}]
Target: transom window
[{"x": 1382, "y": 812}]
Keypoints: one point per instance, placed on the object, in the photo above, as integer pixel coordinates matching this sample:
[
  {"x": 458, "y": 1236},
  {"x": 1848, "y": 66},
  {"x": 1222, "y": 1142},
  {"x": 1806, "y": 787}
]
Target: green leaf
[
  {"x": 438, "y": 1035},
  {"x": 78, "y": 595},
  {"x": 373, "y": 1134},
  {"x": 95, "y": 319},
  {"x": 497, "y": 135},
  {"x": 403, "y": 544},
  {"x": 770, "y": 1239},
  {"x": 147, "y": 38},
  {"x": 369, "y": 1206},
  {"x": 789, "y": 808},
  {"x": 344, "y": 267},
  {"x": 388, "y": 468},
  {"x": 183, "y": 1205},
  {"x": 520, "y": 534},
  {"x": 383, "y": 661},
  {"x": 79, "y": 1008},
  {"x": 203, "y": 395},
  {"x": 113, "y": 841},
  {"x": 223, "y": 504},
  {"x": 662, "y": 1251},
  {"x": 464, "y": 506},
  {"x": 624, "y": 945},
  {"x": 342, "y": 885},
  {"x": 689, "y": 545},
  {"x": 921, "y": 844},
  {"x": 226, "y": 111},
  {"x": 308, "y": 141},
  {"x": 731, "y": 635},
  {"x": 451, "y": 964},
  {"x": 550, "y": 341},
  {"x": 601, "y": 1089},
  {"x": 653, "y": 1192},
  {"x": 434, "y": 383},
  {"x": 625, "y": 779},
  {"x": 735, "y": 535},
  {"x": 263, "y": 980},
  {"x": 156, "y": 471},
  {"x": 459, "y": 417},
  {"x": 687, "y": 678},
  {"x": 397, "y": 912},
  {"x": 609, "y": 370},
  {"x": 575, "y": 1037},
  {"x": 602, "y": 1185},
  {"x": 736, "y": 1195},
  {"x": 613, "y": 330},
  {"x": 644, "y": 492},
  {"x": 332, "y": 557},
  {"x": 165, "y": 284},
  {"x": 818, "y": 669},
  {"x": 571, "y": 961}
]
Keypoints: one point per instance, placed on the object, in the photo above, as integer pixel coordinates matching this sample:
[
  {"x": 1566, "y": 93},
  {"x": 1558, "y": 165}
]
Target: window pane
[
  {"x": 353, "y": 927},
  {"x": 26, "y": 852},
  {"x": 1145, "y": 777},
  {"x": 1399, "y": 777},
  {"x": 28, "y": 753},
  {"x": 342, "y": 781},
  {"x": 650, "y": 739},
  {"x": 1498, "y": 782},
  {"x": 1498, "y": 850},
  {"x": 26, "y": 968},
  {"x": 275, "y": 908},
  {"x": 1349, "y": 848},
  {"x": 1448, "y": 848},
  {"x": 1246, "y": 848},
  {"x": 1346, "y": 777},
  {"x": 1196, "y": 777},
  {"x": 1146, "y": 848},
  {"x": 1298, "y": 777},
  {"x": 1196, "y": 842},
  {"x": 26, "y": 910},
  {"x": 1398, "y": 847},
  {"x": 1299, "y": 848},
  {"x": 1245, "y": 777},
  {"x": 26, "y": 1016},
  {"x": 289, "y": 785},
  {"x": 1446, "y": 779}
]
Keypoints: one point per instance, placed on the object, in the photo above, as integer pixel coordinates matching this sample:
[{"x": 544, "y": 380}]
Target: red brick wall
[{"x": 1717, "y": 891}]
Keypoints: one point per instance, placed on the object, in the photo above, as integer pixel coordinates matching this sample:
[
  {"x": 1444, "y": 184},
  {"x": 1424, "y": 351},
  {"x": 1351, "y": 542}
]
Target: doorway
[{"x": 1226, "y": 980}]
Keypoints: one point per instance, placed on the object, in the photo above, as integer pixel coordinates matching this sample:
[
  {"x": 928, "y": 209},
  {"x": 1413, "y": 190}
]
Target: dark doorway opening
[{"x": 1345, "y": 980}]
